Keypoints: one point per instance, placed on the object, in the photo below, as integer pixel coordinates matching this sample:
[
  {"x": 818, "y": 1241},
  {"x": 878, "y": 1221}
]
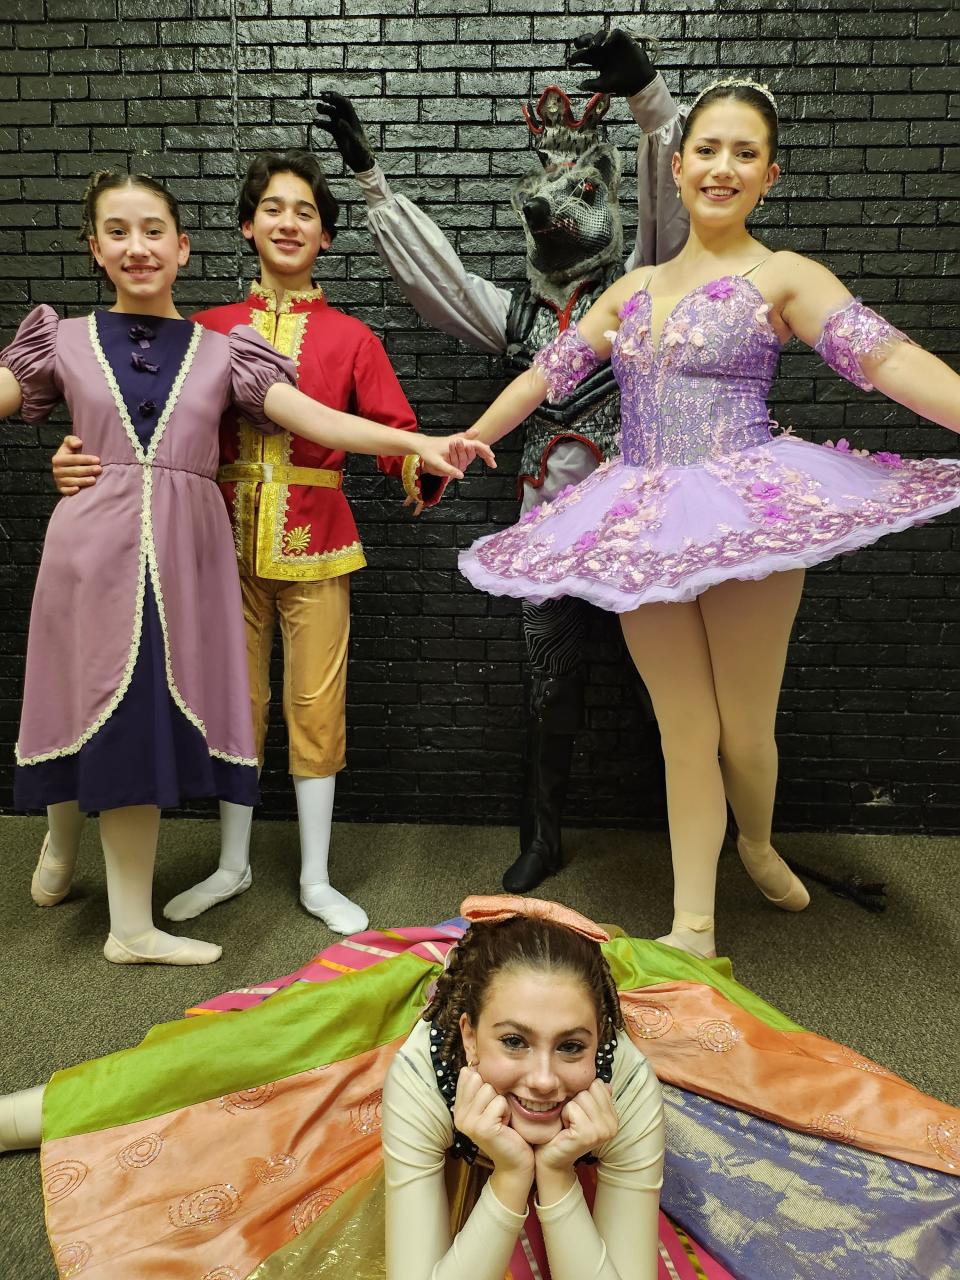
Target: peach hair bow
[{"x": 494, "y": 908}]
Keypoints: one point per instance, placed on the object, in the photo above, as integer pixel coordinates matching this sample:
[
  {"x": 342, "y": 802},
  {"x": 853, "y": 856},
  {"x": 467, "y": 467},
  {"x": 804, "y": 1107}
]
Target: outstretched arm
[
  {"x": 558, "y": 368},
  {"x": 812, "y": 303},
  {"x": 11, "y": 397},
  {"x": 419, "y": 257},
  {"x": 296, "y": 412}
]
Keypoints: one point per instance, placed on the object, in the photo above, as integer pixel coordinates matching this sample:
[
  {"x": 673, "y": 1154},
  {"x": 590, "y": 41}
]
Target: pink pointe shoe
[{"x": 774, "y": 879}]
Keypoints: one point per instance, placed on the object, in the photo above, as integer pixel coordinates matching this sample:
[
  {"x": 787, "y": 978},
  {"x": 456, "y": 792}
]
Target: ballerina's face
[
  {"x": 138, "y": 246},
  {"x": 724, "y": 169},
  {"x": 535, "y": 1042}
]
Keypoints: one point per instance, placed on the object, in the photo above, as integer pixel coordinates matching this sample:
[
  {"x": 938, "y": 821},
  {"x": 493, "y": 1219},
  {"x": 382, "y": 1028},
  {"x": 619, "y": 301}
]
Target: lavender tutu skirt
[{"x": 633, "y": 535}]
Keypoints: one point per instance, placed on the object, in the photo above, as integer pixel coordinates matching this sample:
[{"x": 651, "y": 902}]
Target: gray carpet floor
[{"x": 885, "y": 984}]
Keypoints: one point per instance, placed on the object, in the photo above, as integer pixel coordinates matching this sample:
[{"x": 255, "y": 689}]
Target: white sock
[
  {"x": 231, "y": 877},
  {"x": 129, "y": 838},
  {"x": 21, "y": 1119},
  {"x": 315, "y": 811}
]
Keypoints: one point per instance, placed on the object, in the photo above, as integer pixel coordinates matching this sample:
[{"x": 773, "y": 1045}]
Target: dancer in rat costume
[{"x": 574, "y": 236}]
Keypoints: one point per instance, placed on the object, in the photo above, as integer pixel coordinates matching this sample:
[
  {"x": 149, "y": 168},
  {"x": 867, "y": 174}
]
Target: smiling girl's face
[
  {"x": 137, "y": 244},
  {"x": 725, "y": 166},
  {"x": 535, "y": 1042}
]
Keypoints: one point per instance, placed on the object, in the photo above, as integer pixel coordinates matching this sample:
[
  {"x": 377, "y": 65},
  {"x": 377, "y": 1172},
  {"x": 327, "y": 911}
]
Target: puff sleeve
[
  {"x": 255, "y": 367},
  {"x": 852, "y": 332},
  {"x": 31, "y": 358}
]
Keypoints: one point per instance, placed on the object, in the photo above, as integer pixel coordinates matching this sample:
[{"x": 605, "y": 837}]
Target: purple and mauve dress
[
  {"x": 702, "y": 492},
  {"x": 136, "y": 687}
]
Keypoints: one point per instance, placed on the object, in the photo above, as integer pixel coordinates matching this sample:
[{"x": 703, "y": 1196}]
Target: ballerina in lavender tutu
[{"x": 699, "y": 534}]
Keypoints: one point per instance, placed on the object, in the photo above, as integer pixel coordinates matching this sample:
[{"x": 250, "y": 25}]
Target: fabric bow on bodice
[{"x": 702, "y": 390}]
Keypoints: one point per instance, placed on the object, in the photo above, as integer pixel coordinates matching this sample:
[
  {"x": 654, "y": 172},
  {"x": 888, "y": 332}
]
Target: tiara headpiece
[{"x": 735, "y": 82}]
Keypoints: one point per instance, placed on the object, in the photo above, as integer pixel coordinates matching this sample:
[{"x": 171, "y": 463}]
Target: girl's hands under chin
[
  {"x": 483, "y": 1115},
  {"x": 589, "y": 1120}
]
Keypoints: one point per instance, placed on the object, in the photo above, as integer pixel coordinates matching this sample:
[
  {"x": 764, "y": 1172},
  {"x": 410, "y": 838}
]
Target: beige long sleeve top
[{"x": 617, "y": 1242}]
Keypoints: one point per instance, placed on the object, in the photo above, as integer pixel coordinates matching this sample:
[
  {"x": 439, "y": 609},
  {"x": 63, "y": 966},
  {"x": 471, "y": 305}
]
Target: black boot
[{"x": 555, "y": 712}]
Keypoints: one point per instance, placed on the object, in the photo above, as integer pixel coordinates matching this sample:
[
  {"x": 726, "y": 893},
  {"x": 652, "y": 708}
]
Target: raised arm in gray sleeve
[
  {"x": 433, "y": 279},
  {"x": 662, "y": 223}
]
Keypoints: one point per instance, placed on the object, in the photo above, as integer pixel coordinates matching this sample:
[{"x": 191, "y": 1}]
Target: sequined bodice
[{"x": 702, "y": 391}]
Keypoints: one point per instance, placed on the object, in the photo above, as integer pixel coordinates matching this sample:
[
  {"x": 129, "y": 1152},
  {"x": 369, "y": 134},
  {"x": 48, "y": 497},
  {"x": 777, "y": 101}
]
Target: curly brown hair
[
  {"x": 487, "y": 950},
  {"x": 112, "y": 180}
]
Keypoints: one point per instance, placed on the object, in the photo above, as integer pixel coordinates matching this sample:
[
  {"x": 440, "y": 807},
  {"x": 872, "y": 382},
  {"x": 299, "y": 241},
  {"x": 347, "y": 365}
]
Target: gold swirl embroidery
[
  {"x": 222, "y": 1273},
  {"x": 833, "y": 1125},
  {"x": 365, "y": 1116},
  {"x": 297, "y": 540},
  {"x": 944, "y": 1140},
  {"x": 247, "y": 1099},
  {"x": 307, "y": 1210},
  {"x": 650, "y": 1020},
  {"x": 276, "y": 1168},
  {"x": 72, "y": 1258},
  {"x": 863, "y": 1064},
  {"x": 141, "y": 1152},
  {"x": 200, "y": 1208},
  {"x": 717, "y": 1036},
  {"x": 61, "y": 1178}
]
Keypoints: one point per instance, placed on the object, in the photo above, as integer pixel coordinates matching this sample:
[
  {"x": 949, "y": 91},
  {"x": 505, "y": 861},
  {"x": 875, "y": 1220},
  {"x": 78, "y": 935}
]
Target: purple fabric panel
[
  {"x": 31, "y": 358},
  {"x": 158, "y": 354},
  {"x": 83, "y": 623},
  {"x": 146, "y": 753},
  {"x": 255, "y": 367},
  {"x": 565, "y": 362},
  {"x": 82, "y": 619},
  {"x": 852, "y": 332}
]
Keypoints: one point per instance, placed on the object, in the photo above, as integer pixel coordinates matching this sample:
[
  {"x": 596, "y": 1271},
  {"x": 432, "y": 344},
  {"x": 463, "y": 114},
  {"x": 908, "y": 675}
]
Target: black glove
[
  {"x": 621, "y": 61},
  {"x": 336, "y": 116}
]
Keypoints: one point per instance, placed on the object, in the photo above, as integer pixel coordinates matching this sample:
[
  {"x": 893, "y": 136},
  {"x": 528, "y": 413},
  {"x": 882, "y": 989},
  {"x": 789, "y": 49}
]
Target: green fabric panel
[
  {"x": 179, "y": 1064},
  {"x": 636, "y": 963}
]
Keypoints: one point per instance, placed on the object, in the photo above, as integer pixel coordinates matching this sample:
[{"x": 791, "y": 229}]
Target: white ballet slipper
[
  {"x": 187, "y": 951},
  {"x": 193, "y": 902},
  {"x": 336, "y": 911}
]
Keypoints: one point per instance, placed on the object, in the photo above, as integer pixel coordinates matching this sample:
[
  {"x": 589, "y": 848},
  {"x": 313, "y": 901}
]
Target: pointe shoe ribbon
[
  {"x": 190, "y": 951},
  {"x": 45, "y": 897},
  {"x": 692, "y": 934}
]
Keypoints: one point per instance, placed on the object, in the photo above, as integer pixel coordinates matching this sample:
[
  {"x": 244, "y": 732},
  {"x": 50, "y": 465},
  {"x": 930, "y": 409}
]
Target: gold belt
[{"x": 281, "y": 473}]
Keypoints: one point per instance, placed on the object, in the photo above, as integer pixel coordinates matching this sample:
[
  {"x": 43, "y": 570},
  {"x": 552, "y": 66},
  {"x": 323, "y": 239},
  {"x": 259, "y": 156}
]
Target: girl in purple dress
[
  {"x": 698, "y": 535},
  {"x": 136, "y": 693}
]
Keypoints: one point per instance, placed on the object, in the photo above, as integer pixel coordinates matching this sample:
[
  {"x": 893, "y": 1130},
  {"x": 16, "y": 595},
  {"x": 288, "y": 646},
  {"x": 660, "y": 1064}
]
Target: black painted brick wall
[{"x": 184, "y": 89}]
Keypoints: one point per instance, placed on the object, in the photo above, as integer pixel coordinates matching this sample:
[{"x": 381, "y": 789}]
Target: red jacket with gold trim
[{"x": 305, "y": 531}]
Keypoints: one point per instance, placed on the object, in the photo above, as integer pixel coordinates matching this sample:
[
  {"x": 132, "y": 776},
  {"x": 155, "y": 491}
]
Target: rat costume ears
[
  {"x": 556, "y": 112},
  {"x": 495, "y": 908}
]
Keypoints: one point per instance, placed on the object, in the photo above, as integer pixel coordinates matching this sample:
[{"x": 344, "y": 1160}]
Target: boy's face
[{"x": 286, "y": 228}]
